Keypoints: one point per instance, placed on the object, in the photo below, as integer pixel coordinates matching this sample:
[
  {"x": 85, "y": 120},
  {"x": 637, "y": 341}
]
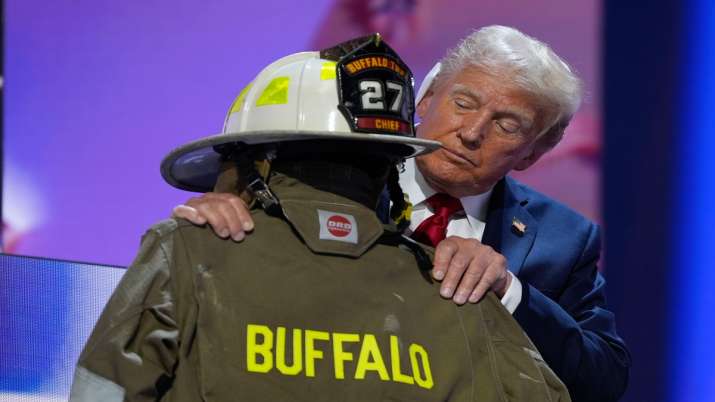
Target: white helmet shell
[
  {"x": 294, "y": 98},
  {"x": 293, "y": 95}
]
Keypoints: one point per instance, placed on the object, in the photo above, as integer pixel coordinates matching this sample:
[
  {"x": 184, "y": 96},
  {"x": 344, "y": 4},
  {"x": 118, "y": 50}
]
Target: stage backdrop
[{"x": 98, "y": 91}]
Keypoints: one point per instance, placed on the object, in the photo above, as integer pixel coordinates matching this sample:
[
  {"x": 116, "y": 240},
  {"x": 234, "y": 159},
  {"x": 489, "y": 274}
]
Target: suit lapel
[{"x": 510, "y": 228}]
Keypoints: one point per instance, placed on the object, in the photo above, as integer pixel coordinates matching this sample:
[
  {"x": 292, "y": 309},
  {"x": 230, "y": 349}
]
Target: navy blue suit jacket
[{"x": 563, "y": 306}]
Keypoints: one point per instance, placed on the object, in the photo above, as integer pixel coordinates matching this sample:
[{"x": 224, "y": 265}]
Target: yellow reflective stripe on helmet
[
  {"x": 238, "y": 103},
  {"x": 276, "y": 92},
  {"x": 327, "y": 70}
]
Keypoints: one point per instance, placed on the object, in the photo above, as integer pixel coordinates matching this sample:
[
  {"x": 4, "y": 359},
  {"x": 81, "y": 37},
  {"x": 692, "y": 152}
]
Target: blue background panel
[{"x": 47, "y": 311}]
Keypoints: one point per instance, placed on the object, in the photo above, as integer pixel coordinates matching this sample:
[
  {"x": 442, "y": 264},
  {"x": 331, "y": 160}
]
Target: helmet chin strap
[
  {"x": 263, "y": 194},
  {"x": 251, "y": 179},
  {"x": 401, "y": 210}
]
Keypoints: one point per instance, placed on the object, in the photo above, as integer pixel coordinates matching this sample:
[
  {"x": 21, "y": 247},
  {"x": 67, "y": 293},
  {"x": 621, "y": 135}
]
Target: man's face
[{"x": 487, "y": 125}]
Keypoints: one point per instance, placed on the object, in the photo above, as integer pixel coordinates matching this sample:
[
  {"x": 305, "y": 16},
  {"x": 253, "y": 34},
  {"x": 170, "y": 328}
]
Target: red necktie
[{"x": 434, "y": 229}]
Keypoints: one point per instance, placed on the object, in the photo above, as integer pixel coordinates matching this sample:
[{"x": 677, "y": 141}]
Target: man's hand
[
  {"x": 464, "y": 265},
  {"x": 471, "y": 268},
  {"x": 226, "y": 213}
]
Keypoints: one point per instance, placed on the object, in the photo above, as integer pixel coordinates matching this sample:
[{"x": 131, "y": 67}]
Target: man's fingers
[
  {"x": 459, "y": 263},
  {"x": 226, "y": 213},
  {"x": 234, "y": 212},
  {"x": 244, "y": 216},
  {"x": 472, "y": 276},
  {"x": 195, "y": 201},
  {"x": 492, "y": 274},
  {"x": 443, "y": 254},
  {"x": 188, "y": 213},
  {"x": 215, "y": 217},
  {"x": 230, "y": 219},
  {"x": 469, "y": 269}
]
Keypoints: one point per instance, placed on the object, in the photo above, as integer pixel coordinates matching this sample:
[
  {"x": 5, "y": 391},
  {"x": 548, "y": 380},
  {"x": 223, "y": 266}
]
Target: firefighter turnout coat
[{"x": 312, "y": 306}]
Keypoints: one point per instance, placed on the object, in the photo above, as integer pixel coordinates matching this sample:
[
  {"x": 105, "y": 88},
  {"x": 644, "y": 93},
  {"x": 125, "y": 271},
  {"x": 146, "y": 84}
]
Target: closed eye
[
  {"x": 508, "y": 126},
  {"x": 462, "y": 104}
]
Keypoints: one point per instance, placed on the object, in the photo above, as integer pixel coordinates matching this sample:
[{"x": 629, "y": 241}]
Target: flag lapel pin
[{"x": 518, "y": 226}]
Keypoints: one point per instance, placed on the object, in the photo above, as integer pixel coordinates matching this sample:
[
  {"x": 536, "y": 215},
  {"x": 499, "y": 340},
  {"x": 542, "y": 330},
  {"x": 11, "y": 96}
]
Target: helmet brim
[{"x": 195, "y": 166}]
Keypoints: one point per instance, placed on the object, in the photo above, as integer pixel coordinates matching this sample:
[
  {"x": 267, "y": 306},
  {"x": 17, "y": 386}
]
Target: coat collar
[
  {"x": 326, "y": 222},
  {"x": 510, "y": 228}
]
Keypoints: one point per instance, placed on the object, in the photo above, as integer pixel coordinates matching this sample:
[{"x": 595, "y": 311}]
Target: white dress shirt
[{"x": 469, "y": 224}]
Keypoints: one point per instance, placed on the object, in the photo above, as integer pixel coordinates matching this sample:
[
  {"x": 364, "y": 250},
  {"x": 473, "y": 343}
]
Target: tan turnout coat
[{"x": 307, "y": 308}]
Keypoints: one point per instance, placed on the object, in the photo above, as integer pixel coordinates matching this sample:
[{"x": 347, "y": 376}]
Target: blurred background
[{"x": 95, "y": 93}]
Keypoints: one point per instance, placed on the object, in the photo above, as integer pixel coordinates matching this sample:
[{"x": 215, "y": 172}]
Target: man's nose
[{"x": 474, "y": 128}]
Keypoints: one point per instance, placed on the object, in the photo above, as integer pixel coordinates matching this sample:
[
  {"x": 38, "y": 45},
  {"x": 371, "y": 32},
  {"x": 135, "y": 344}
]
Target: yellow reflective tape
[
  {"x": 339, "y": 355},
  {"x": 281, "y": 364},
  {"x": 370, "y": 359},
  {"x": 238, "y": 103},
  {"x": 423, "y": 377},
  {"x": 312, "y": 353},
  {"x": 405, "y": 214},
  {"x": 327, "y": 70},
  {"x": 397, "y": 375},
  {"x": 276, "y": 92},
  {"x": 263, "y": 349}
]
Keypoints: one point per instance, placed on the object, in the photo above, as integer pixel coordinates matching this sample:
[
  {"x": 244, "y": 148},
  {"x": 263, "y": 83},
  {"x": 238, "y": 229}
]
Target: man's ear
[
  {"x": 529, "y": 159},
  {"x": 544, "y": 144},
  {"x": 424, "y": 104}
]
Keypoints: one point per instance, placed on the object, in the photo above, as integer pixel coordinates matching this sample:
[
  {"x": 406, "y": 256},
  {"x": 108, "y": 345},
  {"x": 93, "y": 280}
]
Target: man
[
  {"x": 499, "y": 101},
  {"x": 322, "y": 303}
]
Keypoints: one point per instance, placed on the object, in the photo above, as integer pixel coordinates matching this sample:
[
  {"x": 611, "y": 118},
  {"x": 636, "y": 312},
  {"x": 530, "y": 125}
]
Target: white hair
[{"x": 532, "y": 64}]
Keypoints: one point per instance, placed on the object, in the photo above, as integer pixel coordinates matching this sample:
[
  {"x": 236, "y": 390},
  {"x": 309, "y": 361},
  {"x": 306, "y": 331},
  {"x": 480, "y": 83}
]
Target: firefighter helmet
[{"x": 357, "y": 91}]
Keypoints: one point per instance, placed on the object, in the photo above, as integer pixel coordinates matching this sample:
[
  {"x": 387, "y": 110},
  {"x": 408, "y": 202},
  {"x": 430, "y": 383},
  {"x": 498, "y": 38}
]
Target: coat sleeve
[
  {"x": 576, "y": 334},
  {"x": 132, "y": 350}
]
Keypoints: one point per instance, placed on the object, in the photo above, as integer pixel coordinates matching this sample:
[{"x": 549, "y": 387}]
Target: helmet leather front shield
[{"x": 375, "y": 90}]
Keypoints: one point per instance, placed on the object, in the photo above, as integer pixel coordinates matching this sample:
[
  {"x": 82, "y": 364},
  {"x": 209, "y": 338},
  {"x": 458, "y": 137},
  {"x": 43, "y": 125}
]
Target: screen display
[{"x": 47, "y": 311}]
